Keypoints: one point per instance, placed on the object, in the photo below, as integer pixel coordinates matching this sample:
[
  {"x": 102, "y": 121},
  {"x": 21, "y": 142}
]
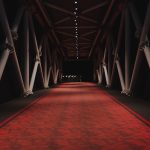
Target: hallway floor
[{"x": 76, "y": 116}]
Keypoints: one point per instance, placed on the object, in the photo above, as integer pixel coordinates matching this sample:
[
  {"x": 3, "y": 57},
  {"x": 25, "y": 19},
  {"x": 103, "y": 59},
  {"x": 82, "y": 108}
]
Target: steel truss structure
[
  {"x": 45, "y": 44},
  {"x": 110, "y": 57},
  {"x": 44, "y": 55}
]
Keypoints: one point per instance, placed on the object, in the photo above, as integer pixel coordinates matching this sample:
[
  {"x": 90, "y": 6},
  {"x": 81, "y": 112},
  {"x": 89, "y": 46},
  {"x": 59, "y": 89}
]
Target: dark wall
[{"x": 83, "y": 68}]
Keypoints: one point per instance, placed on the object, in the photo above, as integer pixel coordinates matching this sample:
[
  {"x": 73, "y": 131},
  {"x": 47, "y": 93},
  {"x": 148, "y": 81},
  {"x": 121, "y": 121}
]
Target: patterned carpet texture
[{"x": 75, "y": 116}]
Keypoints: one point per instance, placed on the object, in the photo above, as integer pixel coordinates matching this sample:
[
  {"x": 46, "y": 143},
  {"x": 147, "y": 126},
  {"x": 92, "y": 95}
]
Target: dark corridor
[
  {"x": 74, "y": 74},
  {"x": 80, "y": 68}
]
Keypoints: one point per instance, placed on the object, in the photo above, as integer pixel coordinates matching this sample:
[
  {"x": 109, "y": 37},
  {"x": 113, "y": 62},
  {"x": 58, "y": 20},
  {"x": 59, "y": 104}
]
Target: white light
[
  {"x": 75, "y": 2},
  {"x": 75, "y": 20},
  {"x": 76, "y": 8},
  {"x": 77, "y": 57},
  {"x": 75, "y": 13}
]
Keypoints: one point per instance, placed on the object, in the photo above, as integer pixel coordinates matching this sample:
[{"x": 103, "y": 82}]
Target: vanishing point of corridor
[{"x": 75, "y": 116}]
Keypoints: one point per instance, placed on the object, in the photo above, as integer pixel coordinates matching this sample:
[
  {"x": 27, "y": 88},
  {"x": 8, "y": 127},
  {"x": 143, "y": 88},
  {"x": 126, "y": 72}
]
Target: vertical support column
[
  {"x": 26, "y": 52},
  {"x": 5, "y": 55},
  {"x": 106, "y": 75},
  {"x": 36, "y": 47},
  {"x": 109, "y": 61},
  {"x": 34, "y": 74},
  {"x": 49, "y": 73},
  {"x": 5, "y": 24},
  {"x": 49, "y": 59},
  {"x": 135, "y": 17},
  {"x": 9, "y": 44},
  {"x": 127, "y": 49},
  {"x": 18, "y": 19},
  {"x": 147, "y": 54},
  {"x": 119, "y": 38},
  {"x": 94, "y": 74},
  {"x": 104, "y": 64},
  {"x": 56, "y": 76},
  {"x": 143, "y": 40},
  {"x": 55, "y": 70},
  {"x": 45, "y": 65},
  {"x": 3, "y": 61},
  {"x": 99, "y": 74},
  {"x": 120, "y": 75}
]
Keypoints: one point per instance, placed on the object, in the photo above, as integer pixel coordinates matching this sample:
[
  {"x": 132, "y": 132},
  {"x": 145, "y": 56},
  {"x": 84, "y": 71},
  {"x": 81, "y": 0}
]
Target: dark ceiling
[{"x": 77, "y": 25}]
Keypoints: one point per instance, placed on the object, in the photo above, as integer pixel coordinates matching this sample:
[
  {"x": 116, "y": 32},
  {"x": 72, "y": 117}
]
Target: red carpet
[{"x": 75, "y": 116}]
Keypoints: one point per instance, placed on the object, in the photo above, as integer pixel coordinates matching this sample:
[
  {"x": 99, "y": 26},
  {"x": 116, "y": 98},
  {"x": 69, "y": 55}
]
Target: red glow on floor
[{"x": 75, "y": 116}]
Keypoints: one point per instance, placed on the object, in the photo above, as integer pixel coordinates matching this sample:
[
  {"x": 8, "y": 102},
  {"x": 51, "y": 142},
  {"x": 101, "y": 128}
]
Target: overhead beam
[
  {"x": 69, "y": 12},
  {"x": 99, "y": 30},
  {"x": 49, "y": 24},
  {"x": 73, "y": 27},
  {"x": 94, "y": 7},
  {"x": 88, "y": 33},
  {"x": 62, "y": 20},
  {"x": 86, "y": 39},
  {"x": 65, "y": 33}
]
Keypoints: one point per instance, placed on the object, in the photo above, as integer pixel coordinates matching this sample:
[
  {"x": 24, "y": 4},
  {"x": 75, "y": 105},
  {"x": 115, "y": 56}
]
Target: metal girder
[
  {"x": 135, "y": 16},
  {"x": 45, "y": 72},
  {"x": 99, "y": 30},
  {"x": 34, "y": 72},
  {"x": 3, "y": 61},
  {"x": 38, "y": 59},
  {"x": 25, "y": 81},
  {"x": 26, "y": 53},
  {"x": 18, "y": 19},
  {"x": 94, "y": 7},
  {"x": 62, "y": 20},
  {"x": 65, "y": 33},
  {"x": 83, "y": 12},
  {"x": 127, "y": 49},
  {"x": 88, "y": 33},
  {"x": 128, "y": 83},
  {"x": 85, "y": 39},
  {"x": 49, "y": 24},
  {"x": 147, "y": 54},
  {"x": 116, "y": 61},
  {"x": 120, "y": 75},
  {"x": 104, "y": 65},
  {"x": 72, "y": 27},
  {"x": 69, "y": 12},
  {"x": 10, "y": 48},
  {"x": 143, "y": 40}
]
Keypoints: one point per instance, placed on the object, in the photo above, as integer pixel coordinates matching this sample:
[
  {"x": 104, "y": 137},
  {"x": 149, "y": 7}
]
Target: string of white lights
[{"x": 76, "y": 29}]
